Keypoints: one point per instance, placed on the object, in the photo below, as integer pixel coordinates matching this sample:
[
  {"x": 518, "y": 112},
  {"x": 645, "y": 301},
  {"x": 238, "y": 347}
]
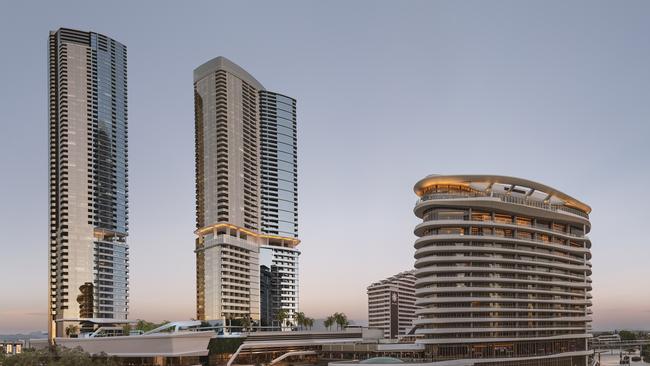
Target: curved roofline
[
  {"x": 484, "y": 178},
  {"x": 280, "y": 94},
  {"x": 222, "y": 63}
]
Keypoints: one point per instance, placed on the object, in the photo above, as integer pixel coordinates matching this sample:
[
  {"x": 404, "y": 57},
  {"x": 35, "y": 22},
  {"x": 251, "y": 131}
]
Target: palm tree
[
  {"x": 341, "y": 320},
  {"x": 281, "y": 316},
  {"x": 126, "y": 329},
  {"x": 309, "y": 322},
  {"x": 71, "y": 330},
  {"x": 300, "y": 319},
  {"x": 246, "y": 322},
  {"x": 328, "y": 322}
]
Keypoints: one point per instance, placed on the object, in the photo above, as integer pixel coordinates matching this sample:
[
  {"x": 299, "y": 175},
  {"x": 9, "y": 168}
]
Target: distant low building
[
  {"x": 12, "y": 347},
  {"x": 608, "y": 338},
  {"x": 391, "y": 304}
]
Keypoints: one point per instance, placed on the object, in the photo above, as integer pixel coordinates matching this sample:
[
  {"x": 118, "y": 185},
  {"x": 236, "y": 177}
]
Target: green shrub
[{"x": 224, "y": 345}]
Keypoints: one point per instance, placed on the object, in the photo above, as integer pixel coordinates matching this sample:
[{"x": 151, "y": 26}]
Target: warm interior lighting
[
  {"x": 206, "y": 230},
  {"x": 426, "y": 183}
]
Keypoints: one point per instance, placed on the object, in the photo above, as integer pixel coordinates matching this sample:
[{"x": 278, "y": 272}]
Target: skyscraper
[
  {"x": 503, "y": 271},
  {"x": 246, "y": 195},
  {"x": 391, "y": 304},
  {"x": 88, "y": 252}
]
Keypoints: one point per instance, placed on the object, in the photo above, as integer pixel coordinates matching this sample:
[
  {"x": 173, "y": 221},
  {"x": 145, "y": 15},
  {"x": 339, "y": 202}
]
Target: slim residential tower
[
  {"x": 88, "y": 252},
  {"x": 246, "y": 196}
]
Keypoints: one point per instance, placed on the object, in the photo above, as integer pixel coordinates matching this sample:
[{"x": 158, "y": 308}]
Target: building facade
[
  {"x": 282, "y": 264},
  {"x": 278, "y": 161},
  {"x": 503, "y": 271},
  {"x": 246, "y": 195},
  {"x": 391, "y": 304},
  {"x": 88, "y": 227},
  {"x": 12, "y": 347}
]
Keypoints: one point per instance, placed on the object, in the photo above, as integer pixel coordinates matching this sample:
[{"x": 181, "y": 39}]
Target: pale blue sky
[{"x": 388, "y": 92}]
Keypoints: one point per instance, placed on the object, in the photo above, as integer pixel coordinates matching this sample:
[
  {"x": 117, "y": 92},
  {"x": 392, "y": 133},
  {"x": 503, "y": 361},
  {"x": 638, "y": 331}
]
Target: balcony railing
[
  {"x": 496, "y": 237},
  {"x": 504, "y": 198}
]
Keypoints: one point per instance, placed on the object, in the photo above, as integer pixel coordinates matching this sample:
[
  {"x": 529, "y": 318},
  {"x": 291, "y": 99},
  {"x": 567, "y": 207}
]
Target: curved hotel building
[
  {"x": 503, "y": 271},
  {"x": 246, "y": 196}
]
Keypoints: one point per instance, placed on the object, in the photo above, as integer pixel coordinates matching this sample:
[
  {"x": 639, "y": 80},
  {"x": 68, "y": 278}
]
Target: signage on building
[{"x": 394, "y": 314}]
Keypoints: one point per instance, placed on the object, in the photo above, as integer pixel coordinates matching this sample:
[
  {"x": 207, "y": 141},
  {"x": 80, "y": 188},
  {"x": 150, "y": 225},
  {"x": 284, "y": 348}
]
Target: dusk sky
[{"x": 388, "y": 92}]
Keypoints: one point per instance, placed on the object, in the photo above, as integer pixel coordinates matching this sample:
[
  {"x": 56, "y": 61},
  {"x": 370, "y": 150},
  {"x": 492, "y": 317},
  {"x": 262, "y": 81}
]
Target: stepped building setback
[
  {"x": 503, "y": 271},
  {"x": 246, "y": 196}
]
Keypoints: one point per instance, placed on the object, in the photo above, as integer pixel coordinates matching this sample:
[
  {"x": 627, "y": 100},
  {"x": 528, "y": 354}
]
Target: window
[
  {"x": 524, "y": 235},
  {"x": 451, "y": 231},
  {"x": 451, "y": 215},
  {"x": 523, "y": 221},
  {"x": 481, "y": 216},
  {"x": 559, "y": 227},
  {"x": 503, "y": 219}
]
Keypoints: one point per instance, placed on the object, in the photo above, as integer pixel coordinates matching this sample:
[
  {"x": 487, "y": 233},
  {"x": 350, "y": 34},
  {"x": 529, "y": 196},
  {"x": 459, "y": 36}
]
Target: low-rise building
[
  {"x": 12, "y": 347},
  {"x": 608, "y": 338},
  {"x": 391, "y": 304}
]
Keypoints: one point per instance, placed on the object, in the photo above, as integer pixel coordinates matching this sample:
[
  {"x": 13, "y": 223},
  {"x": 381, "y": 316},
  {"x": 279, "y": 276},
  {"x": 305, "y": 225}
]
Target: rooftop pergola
[{"x": 503, "y": 184}]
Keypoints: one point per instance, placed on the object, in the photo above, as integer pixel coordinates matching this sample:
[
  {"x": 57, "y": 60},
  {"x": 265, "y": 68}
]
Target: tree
[
  {"x": 281, "y": 316},
  {"x": 146, "y": 326},
  {"x": 71, "y": 330},
  {"x": 328, "y": 322},
  {"x": 627, "y": 335},
  {"x": 126, "y": 329},
  {"x": 309, "y": 322},
  {"x": 246, "y": 322},
  {"x": 300, "y": 319},
  {"x": 341, "y": 320}
]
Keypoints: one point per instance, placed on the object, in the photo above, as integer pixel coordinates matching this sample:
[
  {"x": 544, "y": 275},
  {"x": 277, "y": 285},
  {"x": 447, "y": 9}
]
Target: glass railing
[
  {"x": 505, "y": 198},
  {"x": 497, "y": 237}
]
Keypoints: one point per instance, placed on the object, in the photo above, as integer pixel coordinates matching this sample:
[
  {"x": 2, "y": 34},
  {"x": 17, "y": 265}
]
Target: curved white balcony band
[
  {"x": 434, "y": 223},
  {"x": 466, "y": 269},
  {"x": 497, "y": 203},
  {"x": 430, "y": 280},
  {"x": 553, "y": 265},
  {"x": 424, "y": 311},
  {"x": 433, "y": 300},
  {"x": 497, "y": 319},
  {"x": 500, "y": 339},
  {"x": 437, "y": 290},
  {"x": 477, "y": 329},
  {"x": 462, "y": 249},
  {"x": 441, "y": 238}
]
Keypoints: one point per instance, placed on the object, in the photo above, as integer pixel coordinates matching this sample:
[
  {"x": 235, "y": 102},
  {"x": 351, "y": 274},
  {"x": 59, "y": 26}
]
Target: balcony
[{"x": 504, "y": 198}]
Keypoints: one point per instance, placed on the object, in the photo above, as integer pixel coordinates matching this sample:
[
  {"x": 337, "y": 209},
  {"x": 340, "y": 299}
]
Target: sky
[{"x": 388, "y": 92}]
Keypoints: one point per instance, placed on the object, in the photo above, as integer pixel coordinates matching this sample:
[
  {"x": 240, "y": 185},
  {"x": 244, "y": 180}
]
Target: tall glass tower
[
  {"x": 279, "y": 164},
  {"x": 88, "y": 252},
  {"x": 246, "y": 196}
]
